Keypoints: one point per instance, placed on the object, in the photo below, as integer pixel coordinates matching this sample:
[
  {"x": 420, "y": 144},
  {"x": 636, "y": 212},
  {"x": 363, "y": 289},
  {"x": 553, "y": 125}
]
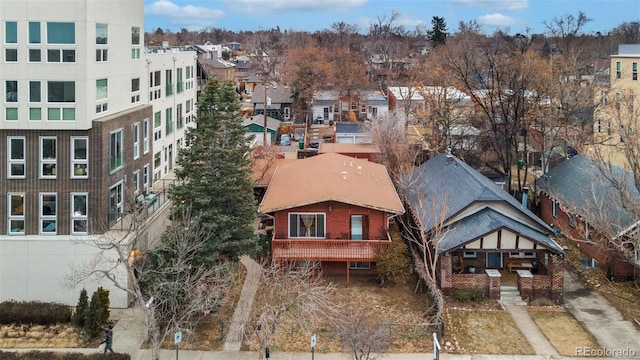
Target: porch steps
[{"x": 510, "y": 295}]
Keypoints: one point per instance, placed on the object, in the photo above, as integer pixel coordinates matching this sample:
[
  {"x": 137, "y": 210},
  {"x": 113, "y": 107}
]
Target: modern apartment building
[{"x": 89, "y": 121}]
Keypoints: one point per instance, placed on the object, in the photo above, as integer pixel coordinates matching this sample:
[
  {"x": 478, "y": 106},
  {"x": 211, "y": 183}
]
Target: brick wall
[
  {"x": 445, "y": 275},
  {"x": 471, "y": 282}
]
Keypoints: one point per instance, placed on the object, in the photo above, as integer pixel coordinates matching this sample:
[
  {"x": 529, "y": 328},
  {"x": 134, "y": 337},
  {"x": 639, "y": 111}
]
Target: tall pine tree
[
  {"x": 438, "y": 33},
  {"x": 213, "y": 173}
]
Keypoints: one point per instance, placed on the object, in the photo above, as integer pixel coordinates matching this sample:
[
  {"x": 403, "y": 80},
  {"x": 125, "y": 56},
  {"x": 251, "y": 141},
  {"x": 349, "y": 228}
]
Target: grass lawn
[{"x": 562, "y": 330}]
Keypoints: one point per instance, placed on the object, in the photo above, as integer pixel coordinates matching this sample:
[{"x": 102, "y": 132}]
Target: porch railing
[{"x": 326, "y": 249}]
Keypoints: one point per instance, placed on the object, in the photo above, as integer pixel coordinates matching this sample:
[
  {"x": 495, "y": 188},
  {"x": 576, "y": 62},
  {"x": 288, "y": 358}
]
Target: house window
[
  {"x": 135, "y": 90},
  {"x": 79, "y": 217},
  {"x": 116, "y": 150},
  {"x": 572, "y": 221},
  {"x": 306, "y": 225},
  {"x": 586, "y": 231},
  {"x": 16, "y": 149},
  {"x": 528, "y": 254},
  {"x": 359, "y": 265},
  {"x": 145, "y": 136},
  {"x": 634, "y": 71},
  {"x": 618, "y": 70},
  {"x": 80, "y": 157},
  {"x": 48, "y": 213},
  {"x": 48, "y": 157},
  {"x": 136, "y": 140},
  {"x": 116, "y": 202},
  {"x": 15, "y": 205},
  {"x": 469, "y": 254},
  {"x": 554, "y": 208},
  {"x": 11, "y": 91}
]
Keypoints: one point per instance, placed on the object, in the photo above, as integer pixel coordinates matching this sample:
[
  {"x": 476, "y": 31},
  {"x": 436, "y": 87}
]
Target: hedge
[{"x": 34, "y": 312}]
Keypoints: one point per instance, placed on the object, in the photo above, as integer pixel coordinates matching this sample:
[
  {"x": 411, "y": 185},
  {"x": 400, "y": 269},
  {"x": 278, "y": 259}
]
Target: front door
[{"x": 494, "y": 260}]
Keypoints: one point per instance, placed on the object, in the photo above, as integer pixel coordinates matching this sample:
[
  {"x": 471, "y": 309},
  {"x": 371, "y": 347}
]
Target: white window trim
[
  {"x": 359, "y": 265},
  {"x": 120, "y": 204},
  {"x": 16, "y": 161},
  {"x": 136, "y": 140},
  {"x": 136, "y": 182},
  {"x": 75, "y": 161},
  {"x": 42, "y": 217},
  {"x": 48, "y": 161},
  {"x": 77, "y": 217},
  {"x": 121, "y": 131},
  {"x": 145, "y": 179},
  {"x": 469, "y": 255},
  {"x": 145, "y": 136},
  {"x": 16, "y": 217},
  {"x": 321, "y": 236}
]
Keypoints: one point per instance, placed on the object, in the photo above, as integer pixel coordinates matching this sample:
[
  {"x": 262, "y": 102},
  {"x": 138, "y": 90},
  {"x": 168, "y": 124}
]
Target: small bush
[
  {"x": 34, "y": 312},
  {"x": 81, "y": 309},
  {"x": 51, "y": 355},
  {"x": 463, "y": 295},
  {"x": 477, "y": 295}
]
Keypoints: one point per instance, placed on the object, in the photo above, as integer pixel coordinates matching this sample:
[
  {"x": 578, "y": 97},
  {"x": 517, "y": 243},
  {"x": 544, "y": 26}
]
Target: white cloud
[
  {"x": 188, "y": 16},
  {"x": 254, "y": 6},
  {"x": 407, "y": 21},
  {"x": 495, "y": 4},
  {"x": 496, "y": 20}
]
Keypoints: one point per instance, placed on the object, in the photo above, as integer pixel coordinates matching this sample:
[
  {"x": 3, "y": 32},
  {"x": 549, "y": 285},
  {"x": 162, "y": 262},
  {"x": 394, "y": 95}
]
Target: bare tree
[
  {"x": 291, "y": 295},
  {"x": 363, "y": 339}
]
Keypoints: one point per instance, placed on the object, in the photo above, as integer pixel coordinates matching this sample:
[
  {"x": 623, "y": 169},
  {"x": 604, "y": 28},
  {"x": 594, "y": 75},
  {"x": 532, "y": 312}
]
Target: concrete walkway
[
  {"x": 602, "y": 320},
  {"x": 539, "y": 343},
  {"x": 241, "y": 314}
]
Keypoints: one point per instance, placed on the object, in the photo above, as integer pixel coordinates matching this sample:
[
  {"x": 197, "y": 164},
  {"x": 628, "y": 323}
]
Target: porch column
[
  {"x": 347, "y": 272},
  {"x": 446, "y": 278},
  {"x": 556, "y": 277}
]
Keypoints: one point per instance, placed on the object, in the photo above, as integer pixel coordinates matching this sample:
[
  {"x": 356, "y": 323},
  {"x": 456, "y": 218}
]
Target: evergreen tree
[
  {"x": 213, "y": 173},
  {"x": 104, "y": 303},
  {"x": 81, "y": 309},
  {"x": 94, "y": 317},
  {"x": 438, "y": 34}
]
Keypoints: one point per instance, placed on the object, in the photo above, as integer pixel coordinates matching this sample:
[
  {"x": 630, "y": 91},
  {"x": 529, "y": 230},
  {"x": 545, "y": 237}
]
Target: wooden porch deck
[{"x": 326, "y": 249}]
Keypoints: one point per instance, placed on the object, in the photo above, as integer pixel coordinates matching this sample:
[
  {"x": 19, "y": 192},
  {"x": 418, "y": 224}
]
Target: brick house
[
  {"x": 582, "y": 204},
  {"x": 482, "y": 232},
  {"x": 331, "y": 210}
]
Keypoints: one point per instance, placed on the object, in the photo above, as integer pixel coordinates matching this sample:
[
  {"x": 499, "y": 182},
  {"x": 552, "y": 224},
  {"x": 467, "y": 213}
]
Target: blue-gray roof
[
  {"x": 348, "y": 128},
  {"x": 445, "y": 186},
  {"x": 579, "y": 185},
  {"x": 485, "y": 222}
]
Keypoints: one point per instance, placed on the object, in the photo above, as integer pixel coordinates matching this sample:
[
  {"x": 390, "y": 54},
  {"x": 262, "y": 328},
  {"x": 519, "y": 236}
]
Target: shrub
[
  {"x": 104, "y": 303},
  {"x": 477, "y": 295},
  {"x": 81, "y": 309},
  {"x": 463, "y": 295},
  {"x": 393, "y": 261},
  {"x": 94, "y": 317},
  {"x": 34, "y": 312}
]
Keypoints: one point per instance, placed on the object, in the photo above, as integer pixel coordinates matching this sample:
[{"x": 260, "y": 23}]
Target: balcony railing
[{"x": 326, "y": 249}]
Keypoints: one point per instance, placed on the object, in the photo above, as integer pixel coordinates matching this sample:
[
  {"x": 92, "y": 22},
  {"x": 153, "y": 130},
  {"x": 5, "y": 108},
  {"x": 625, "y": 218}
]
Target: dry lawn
[
  {"x": 40, "y": 336},
  {"x": 562, "y": 330},
  {"x": 484, "y": 331}
]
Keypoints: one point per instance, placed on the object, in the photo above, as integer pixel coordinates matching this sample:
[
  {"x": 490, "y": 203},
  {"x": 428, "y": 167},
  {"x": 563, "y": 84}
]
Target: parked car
[{"x": 285, "y": 140}]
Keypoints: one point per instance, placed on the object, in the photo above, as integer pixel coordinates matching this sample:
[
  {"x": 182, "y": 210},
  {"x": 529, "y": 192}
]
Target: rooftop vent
[{"x": 344, "y": 175}]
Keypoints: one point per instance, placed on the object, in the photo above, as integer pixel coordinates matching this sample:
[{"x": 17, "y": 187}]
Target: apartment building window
[
  {"x": 35, "y": 114},
  {"x": 308, "y": 225},
  {"x": 634, "y": 71},
  {"x": 11, "y": 91},
  {"x": 136, "y": 140},
  {"x": 145, "y": 136},
  {"x": 169, "y": 80},
  {"x": 135, "y": 40},
  {"x": 61, "y": 33},
  {"x": 157, "y": 123},
  {"x": 145, "y": 178},
  {"x": 102, "y": 55},
  {"x": 35, "y": 34},
  {"x": 11, "y": 37},
  {"x": 80, "y": 157},
  {"x": 35, "y": 55},
  {"x": 48, "y": 213},
  {"x": 102, "y": 94},
  {"x": 135, "y": 90},
  {"x": 61, "y": 92},
  {"x": 169, "y": 123},
  {"x": 35, "y": 96},
  {"x": 16, "y": 148},
  {"x": 116, "y": 150},
  {"x": 136, "y": 182},
  {"x": 102, "y": 34},
  {"x": 116, "y": 202},
  {"x": 157, "y": 160},
  {"x": 15, "y": 205},
  {"x": 179, "y": 118},
  {"x": 48, "y": 157},
  {"x": 187, "y": 106},
  {"x": 179, "y": 82},
  {"x": 618, "y": 70},
  {"x": 155, "y": 82},
  {"x": 61, "y": 55},
  {"x": 79, "y": 214}
]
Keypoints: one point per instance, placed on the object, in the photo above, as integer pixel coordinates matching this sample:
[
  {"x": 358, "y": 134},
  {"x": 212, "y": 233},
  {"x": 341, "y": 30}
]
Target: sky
[{"x": 312, "y": 15}]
